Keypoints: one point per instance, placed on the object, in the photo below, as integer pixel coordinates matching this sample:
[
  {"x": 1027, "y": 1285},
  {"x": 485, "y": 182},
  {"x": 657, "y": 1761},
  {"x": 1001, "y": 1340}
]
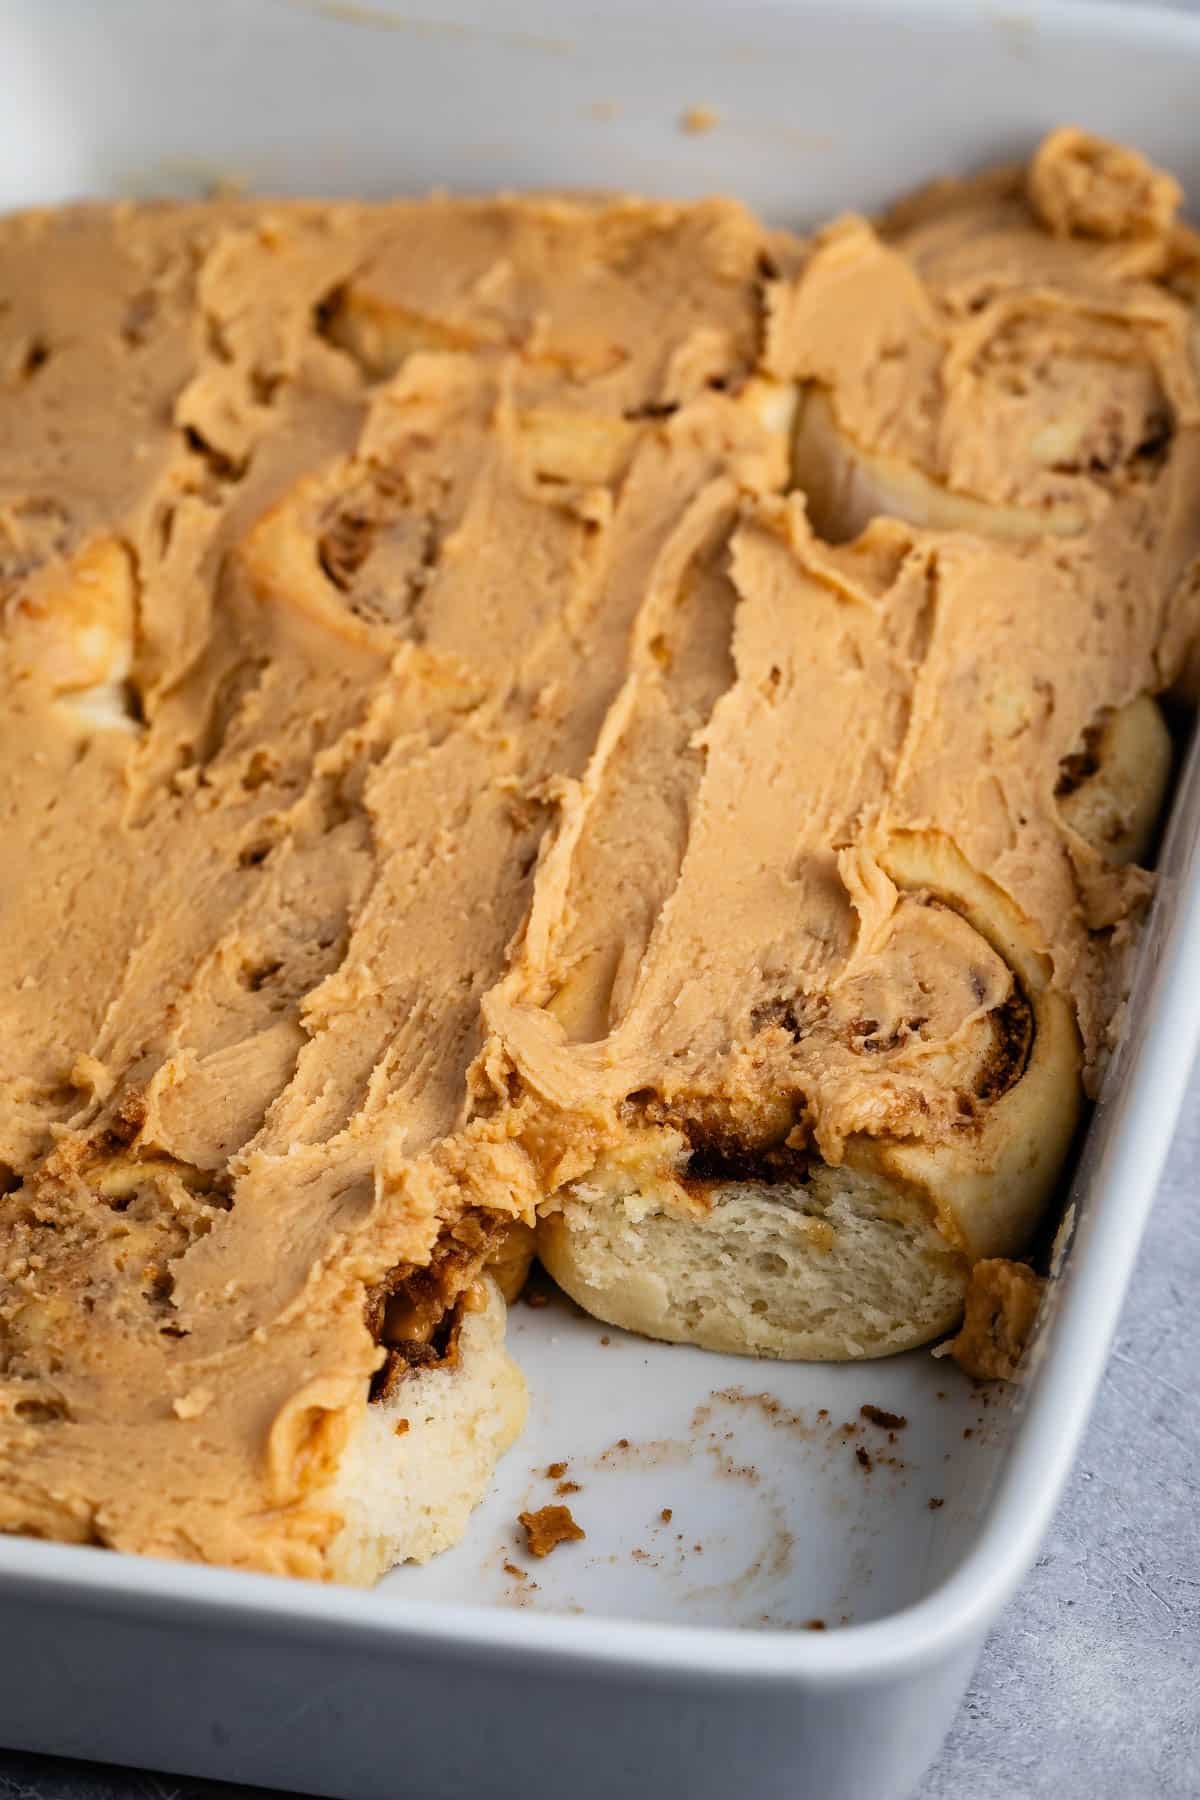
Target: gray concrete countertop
[{"x": 1088, "y": 1687}]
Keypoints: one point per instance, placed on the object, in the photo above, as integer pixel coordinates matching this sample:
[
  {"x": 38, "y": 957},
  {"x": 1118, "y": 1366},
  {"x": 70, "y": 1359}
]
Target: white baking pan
[{"x": 660, "y": 1655}]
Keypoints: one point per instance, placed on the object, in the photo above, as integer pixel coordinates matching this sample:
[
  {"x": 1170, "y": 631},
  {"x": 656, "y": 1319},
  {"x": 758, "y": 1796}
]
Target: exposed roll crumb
[
  {"x": 193, "y": 1403},
  {"x": 548, "y": 1527}
]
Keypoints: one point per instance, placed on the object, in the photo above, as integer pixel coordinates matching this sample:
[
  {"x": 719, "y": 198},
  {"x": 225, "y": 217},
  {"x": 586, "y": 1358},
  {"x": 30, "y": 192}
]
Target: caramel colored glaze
[
  {"x": 300, "y": 642},
  {"x": 441, "y": 758}
]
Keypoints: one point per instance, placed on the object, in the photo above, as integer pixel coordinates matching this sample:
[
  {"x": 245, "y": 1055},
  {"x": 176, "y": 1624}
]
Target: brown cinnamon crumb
[
  {"x": 622, "y": 1443},
  {"x": 814, "y": 1625},
  {"x": 556, "y": 1470},
  {"x": 606, "y": 1340},
  {"x": 863, "y": 1458},
  {"x": 967, "y": 1431},
  {"x": 666, "y": 1515},
  {"x": 536, "y": 1296},
  {"x": 935, "y": 1501},
  {"x": 400, "y": 1427},
  {"x": 568, "y": 1487},
  {"x": 548, "y": 1527},
  {"x": 511, "y": 1568},
  {"x": 822, "y": 1412},
  {"x": 698, "y": 1548},
  {"x": 887, "y": 1421}
]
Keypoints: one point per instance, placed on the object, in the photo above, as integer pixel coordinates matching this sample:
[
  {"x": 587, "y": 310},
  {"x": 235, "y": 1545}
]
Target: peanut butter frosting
[
  {"x": 764, "y": 988},
  {"x": 446, "y": 755}
]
